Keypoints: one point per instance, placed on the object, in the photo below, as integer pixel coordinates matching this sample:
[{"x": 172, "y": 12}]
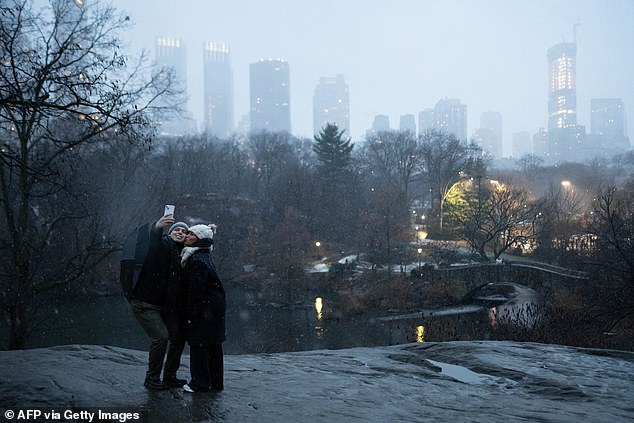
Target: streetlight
[{"x": 568, "y": 186}]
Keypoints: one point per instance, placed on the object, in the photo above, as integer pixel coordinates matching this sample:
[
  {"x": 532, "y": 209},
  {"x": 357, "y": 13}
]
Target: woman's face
[{"x": 190, "y": 239}]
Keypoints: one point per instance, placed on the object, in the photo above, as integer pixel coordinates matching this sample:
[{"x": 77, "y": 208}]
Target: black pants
[{"x": 206, "y": 367}]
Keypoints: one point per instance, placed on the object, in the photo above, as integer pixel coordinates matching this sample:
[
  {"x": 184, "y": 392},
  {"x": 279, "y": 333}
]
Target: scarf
[{"x": 187, "y": 253}]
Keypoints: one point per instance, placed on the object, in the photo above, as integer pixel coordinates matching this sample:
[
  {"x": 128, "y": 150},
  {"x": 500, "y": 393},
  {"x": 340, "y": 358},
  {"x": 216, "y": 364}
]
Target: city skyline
[{"x": 401, "y": 58}]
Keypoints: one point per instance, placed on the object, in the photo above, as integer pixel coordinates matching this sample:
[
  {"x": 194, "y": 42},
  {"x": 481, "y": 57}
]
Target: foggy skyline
[{"x": 402, "y": 57}]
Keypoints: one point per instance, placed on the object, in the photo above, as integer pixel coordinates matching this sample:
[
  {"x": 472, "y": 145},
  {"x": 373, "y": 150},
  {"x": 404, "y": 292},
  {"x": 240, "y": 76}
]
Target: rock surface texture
[{"x": 437, "y": 382}]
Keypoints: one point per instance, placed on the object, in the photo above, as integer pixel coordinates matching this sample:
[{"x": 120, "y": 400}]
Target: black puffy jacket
[{"x": 160, "y": 277}]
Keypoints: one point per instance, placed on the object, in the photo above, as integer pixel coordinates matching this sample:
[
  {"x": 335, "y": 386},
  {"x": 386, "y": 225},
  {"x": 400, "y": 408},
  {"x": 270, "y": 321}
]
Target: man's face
[
  {"x": 190, "y": 239},
  {"x": 178, "y": 234}
]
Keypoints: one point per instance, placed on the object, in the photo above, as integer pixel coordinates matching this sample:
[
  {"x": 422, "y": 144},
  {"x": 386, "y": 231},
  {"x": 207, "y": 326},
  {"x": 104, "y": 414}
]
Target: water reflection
[
  {"x": 319, "y": 326},
  {"x": 318, "y": 307},
  {"x": 263, "y": 328},
  {"x": 420, "y": 333}
]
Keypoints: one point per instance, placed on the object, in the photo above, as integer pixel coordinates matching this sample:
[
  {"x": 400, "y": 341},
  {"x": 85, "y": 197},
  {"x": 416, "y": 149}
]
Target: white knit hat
[{"x": 204, "y": 234}]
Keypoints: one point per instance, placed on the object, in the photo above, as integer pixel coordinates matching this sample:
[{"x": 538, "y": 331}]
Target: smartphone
[{"x": 169, "y": 209}]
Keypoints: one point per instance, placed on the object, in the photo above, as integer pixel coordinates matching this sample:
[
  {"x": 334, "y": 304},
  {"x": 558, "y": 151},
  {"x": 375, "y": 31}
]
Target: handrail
[{"x": 561, "y": 271}]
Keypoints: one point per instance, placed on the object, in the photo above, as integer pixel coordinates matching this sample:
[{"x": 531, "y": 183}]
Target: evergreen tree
[
  {"x": 335, "y": 202},
  {"x": 333, "y": 151}
]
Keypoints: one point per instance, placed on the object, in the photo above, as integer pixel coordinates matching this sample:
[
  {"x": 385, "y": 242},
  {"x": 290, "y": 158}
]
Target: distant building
[
  {"x": 218, "y": 89},
  {"x": 448, "y": 115},
  {"x": 171, "y": 54},
  {"x": 425, "y": 121},
  {"x": 331, "y": 104},
  {"x": 608, "y": 126},
  {"x": 540, "y": 143},
  {"x": 408, "y": 123},
  {"x": 493, "y": 122},
  {"x": 381, "y": 123},
  {"x": 244, "y": 123},
  {"x": 487, "y": 140},
  {"x": 522, "y": 144},
  {"x": 270, "y": 96},
  {"x": 607, "y": 116},
  {"x": 562, "y": 101}
]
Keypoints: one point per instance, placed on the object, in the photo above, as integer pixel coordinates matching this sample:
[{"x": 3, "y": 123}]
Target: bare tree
[
  {"x": 445, "y": 159},
  {"x": 612, "y": 223},
  {"x": 269, "y": 153},
  {"x": 395, "y": 156},
  {"x": 497, "y": 218},
  {"x": 65, "y": 89},
  {"x": 387, "y": 223}
]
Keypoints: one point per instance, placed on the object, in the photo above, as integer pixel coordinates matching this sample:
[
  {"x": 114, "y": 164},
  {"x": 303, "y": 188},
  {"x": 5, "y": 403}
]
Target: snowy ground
[{"x": 435, "y": 382}]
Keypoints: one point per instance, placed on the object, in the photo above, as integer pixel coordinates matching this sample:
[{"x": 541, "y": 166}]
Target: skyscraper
[
  {"x": 492, "y": 121},
  {"x": 408, "y": 123},
  {"x": 450, "y": 116},
  {"x": 218, "y": 89},
  {"x": 270, "y": 95},
  {"x": 540, "y": 143},
  {"x": 522, "y": 144},
  {"x": 562, "y": 100},
  {"x": 487, "y": 140},
  {"x": 425, "y": 121},
  {"x": 608, "y": 125},
  {"x": 331, "y": 104},
  {"x": 171, "y": 54},
  {"x": 381, "y": 123},
  {"x": 607, "y": 116}
]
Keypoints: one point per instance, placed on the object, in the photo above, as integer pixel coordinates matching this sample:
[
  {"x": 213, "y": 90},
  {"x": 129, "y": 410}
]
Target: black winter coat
[
  {"x": 206, "y": 302},
  {"x": 160, "y": 277}
]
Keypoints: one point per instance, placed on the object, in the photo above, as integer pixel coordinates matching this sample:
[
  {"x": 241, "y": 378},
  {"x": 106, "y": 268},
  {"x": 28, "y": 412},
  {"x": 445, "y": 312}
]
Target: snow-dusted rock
[{"x": 437, "y": 382}]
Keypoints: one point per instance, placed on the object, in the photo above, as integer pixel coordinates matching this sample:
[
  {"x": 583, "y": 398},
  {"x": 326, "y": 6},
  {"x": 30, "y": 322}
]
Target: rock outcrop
[{"x": 439, "y": 382}]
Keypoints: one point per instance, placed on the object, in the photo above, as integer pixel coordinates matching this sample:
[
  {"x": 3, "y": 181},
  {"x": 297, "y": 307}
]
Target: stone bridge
[{"x": 543, "y": 278}]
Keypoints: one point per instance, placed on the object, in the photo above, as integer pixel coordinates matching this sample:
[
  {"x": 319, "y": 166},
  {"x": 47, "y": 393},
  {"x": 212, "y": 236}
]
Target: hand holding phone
[{"x": 169, "y": 210}]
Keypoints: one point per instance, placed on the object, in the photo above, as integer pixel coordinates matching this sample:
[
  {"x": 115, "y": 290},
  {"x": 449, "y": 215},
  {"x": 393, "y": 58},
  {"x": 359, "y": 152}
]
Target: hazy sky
[{"x": 402, "y": 56}]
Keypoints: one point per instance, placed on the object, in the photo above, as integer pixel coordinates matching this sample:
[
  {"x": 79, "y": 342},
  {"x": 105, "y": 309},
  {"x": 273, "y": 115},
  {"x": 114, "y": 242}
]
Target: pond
[{"x": 315, "y": 324}]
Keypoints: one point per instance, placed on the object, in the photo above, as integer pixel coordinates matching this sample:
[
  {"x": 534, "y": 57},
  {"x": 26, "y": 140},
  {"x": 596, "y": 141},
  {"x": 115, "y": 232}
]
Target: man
[{"x": 158, "y": 304}]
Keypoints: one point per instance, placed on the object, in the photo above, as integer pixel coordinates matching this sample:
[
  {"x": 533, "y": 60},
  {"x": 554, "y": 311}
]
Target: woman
[{"x": 206, "y": 306}]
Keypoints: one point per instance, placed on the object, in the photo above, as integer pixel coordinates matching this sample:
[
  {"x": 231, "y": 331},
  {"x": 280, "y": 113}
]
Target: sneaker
[
  {"x": 174, "y": 382},
  {"x": 189, "y": 389},
  {"x": 154, "y": 384}
]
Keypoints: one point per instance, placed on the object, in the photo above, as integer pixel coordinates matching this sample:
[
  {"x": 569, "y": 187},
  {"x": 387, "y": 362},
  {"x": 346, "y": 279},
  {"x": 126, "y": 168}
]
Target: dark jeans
[
  {"x": 206, "y": 367},
  {"x": 161, "y": 327}
]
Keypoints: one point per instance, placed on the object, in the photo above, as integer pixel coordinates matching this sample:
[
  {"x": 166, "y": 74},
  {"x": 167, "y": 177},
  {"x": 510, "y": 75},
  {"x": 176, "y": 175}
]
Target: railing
[{"x": 561, "y": 271}]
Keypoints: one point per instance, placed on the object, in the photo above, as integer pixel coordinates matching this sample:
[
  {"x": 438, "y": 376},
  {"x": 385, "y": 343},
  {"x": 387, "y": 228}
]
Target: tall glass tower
[
  {"x": 218, "y": 89},
  {"x": 331, "y": 104},
  {"x": 608, "y": 116},
  {"x": 171, "y": 53},
  {"x": 492, "y": 121},
  {"x": 270, "y": 93},
  {"x": 451, "y": 116},
  {"x": 562, "y": 99}
]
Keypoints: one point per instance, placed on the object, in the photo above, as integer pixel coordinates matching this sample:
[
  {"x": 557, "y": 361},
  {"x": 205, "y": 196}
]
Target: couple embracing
[{"x": 179, "y": 298}]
